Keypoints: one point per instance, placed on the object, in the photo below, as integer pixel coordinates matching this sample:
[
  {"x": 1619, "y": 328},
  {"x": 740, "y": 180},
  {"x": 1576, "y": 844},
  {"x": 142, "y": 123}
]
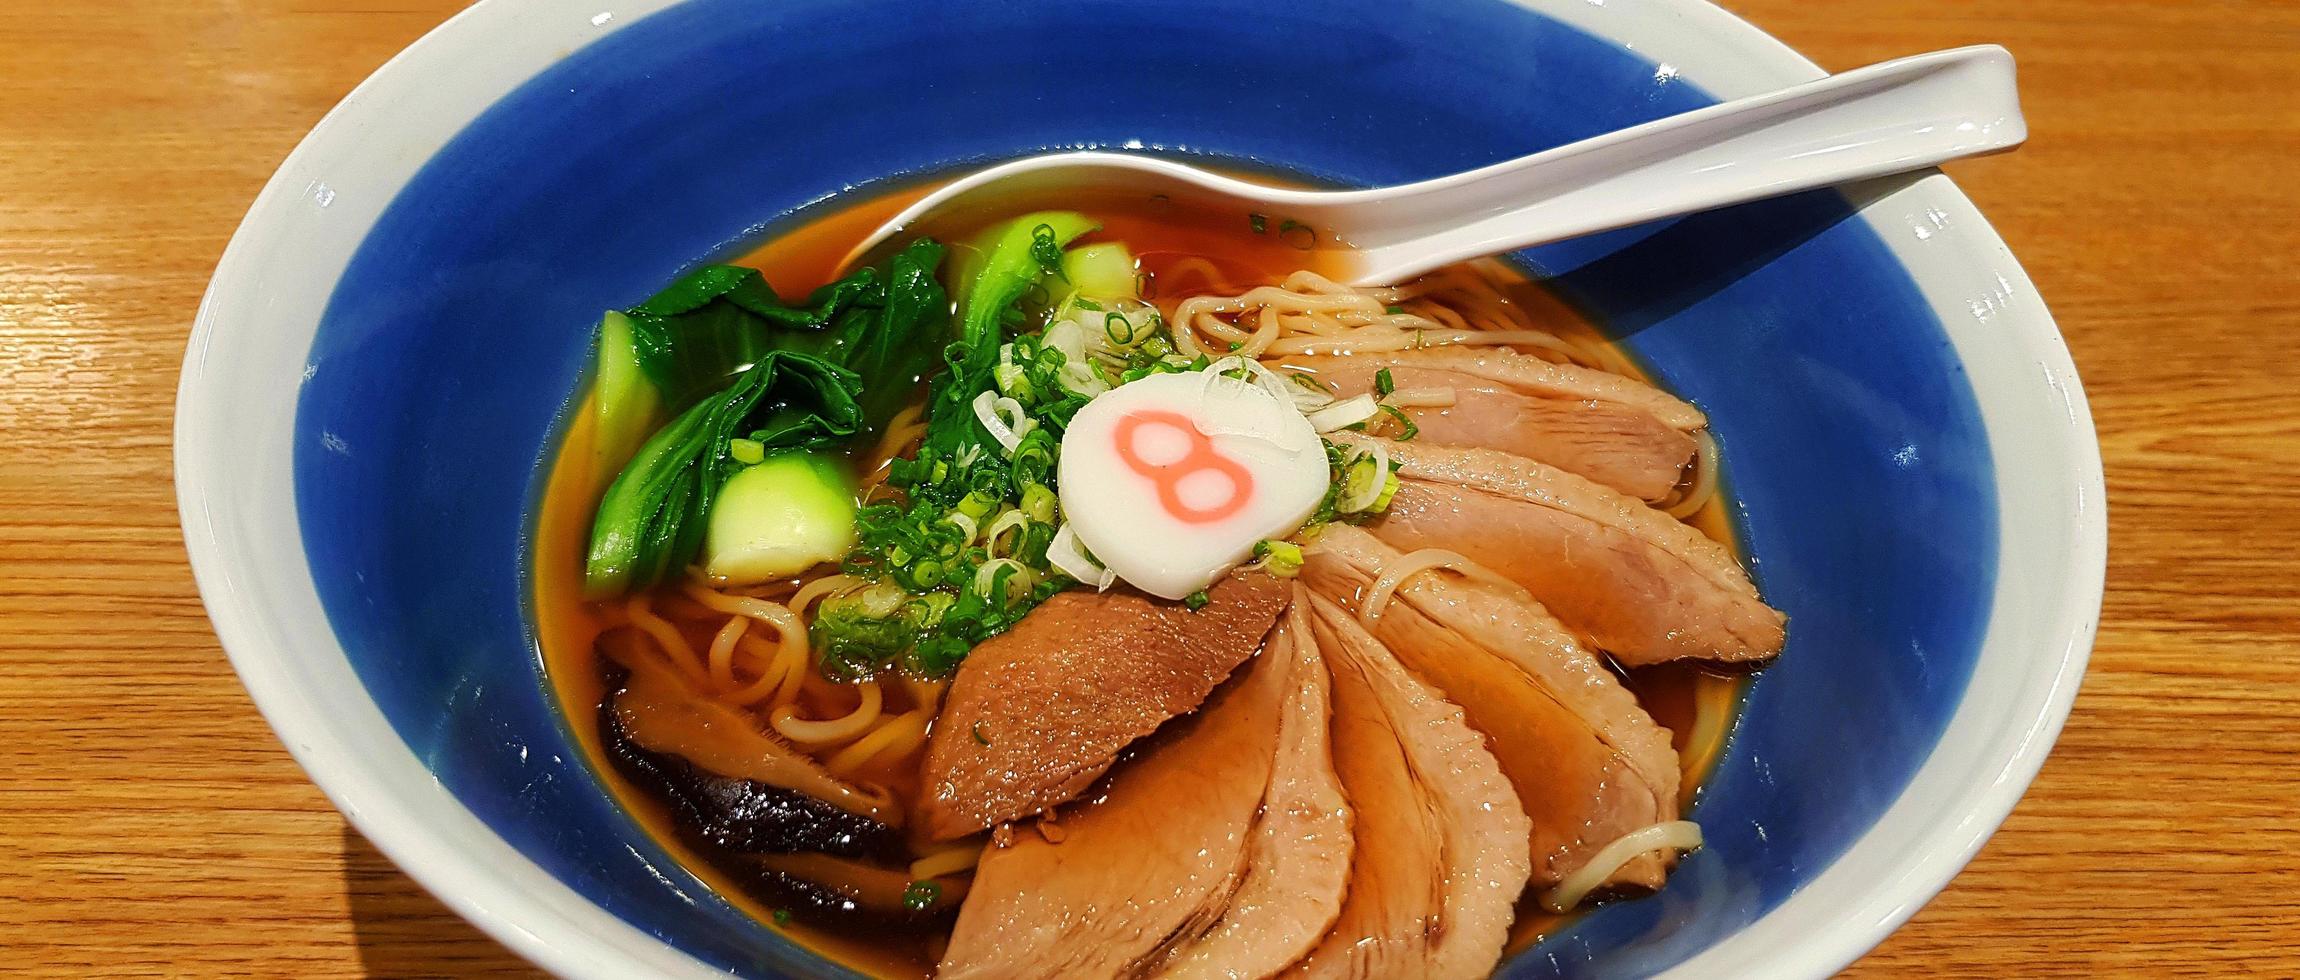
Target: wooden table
[{"x": 149, "y": 823}]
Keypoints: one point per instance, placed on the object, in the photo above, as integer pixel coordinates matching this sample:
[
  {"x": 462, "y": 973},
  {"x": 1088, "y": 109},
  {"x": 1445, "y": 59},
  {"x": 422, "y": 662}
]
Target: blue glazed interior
[{"x": 461, "y": 327}]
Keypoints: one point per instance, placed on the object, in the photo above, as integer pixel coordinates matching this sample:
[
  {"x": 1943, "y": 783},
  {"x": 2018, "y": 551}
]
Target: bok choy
[{"x": 747, "y": 377}]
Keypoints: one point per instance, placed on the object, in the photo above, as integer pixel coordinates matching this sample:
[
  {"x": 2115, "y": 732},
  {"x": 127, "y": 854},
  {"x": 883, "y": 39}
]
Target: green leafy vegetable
[
  {"x": 651, "y": 521},
  {"x": 748, "y": 377},
  {"x": 1361, "y": 476},
  {"x": 894, "y": 349},
  {"x": 626, "y": 402},
  {"x": 882, "y": 322},
  {"x": 1102, "y": 271},
  {"x": 694, "y": 336},
  {"x": 780, "y": 517},
  {"x": 1011, "y": 268}
]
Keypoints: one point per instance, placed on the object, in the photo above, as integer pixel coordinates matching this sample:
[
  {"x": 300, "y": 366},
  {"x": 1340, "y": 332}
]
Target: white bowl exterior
[
  {"x": 2052, "y": 525},
  {"x": 235, "y": 421},
  {"x": 234, "y": 449}
]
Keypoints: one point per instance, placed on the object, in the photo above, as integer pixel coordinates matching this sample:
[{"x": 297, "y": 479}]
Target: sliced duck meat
[
  {"x": 1637, "y": 583},
  {"x": 1418, "y": 917},
  {"x": 1298, "y": 860},
  {"x": 1394, "y": 899},
  {"x": 1534, "y": 376},
  {"x": 1620, "y": 443},
  {"x": 1039, "y": 712},
  {"x": 736, "y": 784},
  {"x": 1588, "y": 763},
  {"x": 1114, "y": 886}
]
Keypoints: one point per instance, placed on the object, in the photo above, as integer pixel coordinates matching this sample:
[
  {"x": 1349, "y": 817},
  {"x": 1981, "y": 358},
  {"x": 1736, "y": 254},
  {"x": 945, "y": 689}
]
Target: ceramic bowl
[{"x": 373, "y": 388}]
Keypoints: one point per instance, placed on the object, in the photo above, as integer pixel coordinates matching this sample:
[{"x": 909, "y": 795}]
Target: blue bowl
[{"x": 375, "y": 389}]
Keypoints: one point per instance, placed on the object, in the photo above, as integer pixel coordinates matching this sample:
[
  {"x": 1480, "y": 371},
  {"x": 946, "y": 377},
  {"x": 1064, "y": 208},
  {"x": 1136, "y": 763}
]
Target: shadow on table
[{"x": 403, "y": 932}]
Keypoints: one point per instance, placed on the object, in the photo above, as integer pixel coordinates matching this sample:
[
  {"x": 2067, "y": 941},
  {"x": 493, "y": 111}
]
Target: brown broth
[
  {"x": 1246, "y": 247},
  {"x": 805, "y": 254}
]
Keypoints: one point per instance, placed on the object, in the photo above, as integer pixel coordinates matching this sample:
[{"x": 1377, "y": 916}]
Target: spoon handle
[{"x": 1893, "y": 117}]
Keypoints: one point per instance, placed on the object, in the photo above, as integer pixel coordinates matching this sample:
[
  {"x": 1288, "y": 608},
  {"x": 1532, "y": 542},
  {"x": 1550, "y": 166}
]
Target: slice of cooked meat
[
  {"x": 1037, "y": 713},
  {"x": 1640, "y": 584},
  {"x": 1298, "y": 861},
  {"x": 1620, "y": 444},
  {"x": 1483, "y": 862},
  {"x": 1394, "y": 900},
  {"x": 1534, "y": 376},
  {"x": 1144, "y": 868},
  {"x": 1588, "y": 763}
]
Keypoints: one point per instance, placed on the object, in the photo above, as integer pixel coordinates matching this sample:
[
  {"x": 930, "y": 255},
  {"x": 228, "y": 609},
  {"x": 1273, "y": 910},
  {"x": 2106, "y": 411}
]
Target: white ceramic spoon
[{"x": 1887, "y": 118}]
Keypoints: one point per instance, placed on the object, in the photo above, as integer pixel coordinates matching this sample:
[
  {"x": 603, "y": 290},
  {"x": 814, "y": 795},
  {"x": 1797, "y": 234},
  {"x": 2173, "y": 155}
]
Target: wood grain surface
[{"x": 150, "y": 824}]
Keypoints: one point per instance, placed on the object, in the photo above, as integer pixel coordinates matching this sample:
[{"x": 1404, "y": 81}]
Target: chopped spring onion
[
  {"x": 1366, "y": 480},
  {"x": 1003, "y": 418},
  {"x": 921, "y": 895},
  {"x": 1040, "y": 503},
  {"x": 1012, "y": 520},
  {"x": 1011, "y": 379},
  {"x": 1006, "y": 572},
  {"x": 1248, "y": 369},
  {"x": 1280, "y": 558},
  {"x": 1065, "y": 335},
  {"x": 1344, "y": 413},
  {"x": 1389, "y": 490},
  {"x": 966, "y": 524},
  {"x": 1067, "y": 557},
  {"x": 1407, "y": 430},
  {"x": 1311, "y": 382},
  {"x": 977, "y": 505}
]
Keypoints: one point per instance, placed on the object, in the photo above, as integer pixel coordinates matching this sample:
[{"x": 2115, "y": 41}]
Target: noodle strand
[
  {"x": 673, "y": 645},
  {"x": 1394, "y": 575},
  {"x": 1681, "y": 835},
  {"x": 832, "y": 731},
  {"x": 900, "y": 736}
]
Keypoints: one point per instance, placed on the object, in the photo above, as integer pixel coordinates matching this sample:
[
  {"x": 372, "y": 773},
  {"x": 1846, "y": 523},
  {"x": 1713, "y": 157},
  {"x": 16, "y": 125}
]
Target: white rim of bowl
[{"x": 233, "y": 450}]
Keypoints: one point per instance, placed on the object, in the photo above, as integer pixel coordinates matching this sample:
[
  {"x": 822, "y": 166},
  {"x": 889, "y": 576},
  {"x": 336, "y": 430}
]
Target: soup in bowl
[{"x": 1096, "y": 587}]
